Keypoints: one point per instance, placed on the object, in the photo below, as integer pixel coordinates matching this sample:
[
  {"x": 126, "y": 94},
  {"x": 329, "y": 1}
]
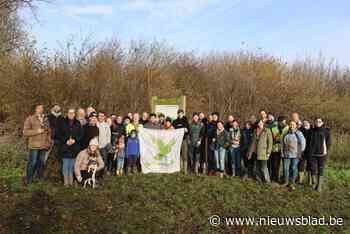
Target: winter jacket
[
  {"x": 70, "y": 129},
  {"x": 104, "y": 136},
  {"x": 262, "y": 145},
  {"x": 89, "y": 132},
  {"x": 117, "y": 130},
  {"x": 82, "y": 161},
  {"x": 246, "y": 138},
  {"x": 182, "y": 123},
  {"x": 235, "y": 137},
  {"x": 222, "y": 139},
  {"x": 307, "y": 135},
  {"x": 293, "y": 144},
  {"x": 132, "y": 147},
  {"x": 196, "y": 133},
  {"x": 55, "y": 120},
  {"x": 320, "y": 142},
  {"x": 277, "y": 135},
  {"x": 31, "y": 128}
]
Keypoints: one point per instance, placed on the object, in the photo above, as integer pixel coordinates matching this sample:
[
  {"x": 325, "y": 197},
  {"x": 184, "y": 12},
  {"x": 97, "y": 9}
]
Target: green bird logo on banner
[{"x": 163, "y": 148}]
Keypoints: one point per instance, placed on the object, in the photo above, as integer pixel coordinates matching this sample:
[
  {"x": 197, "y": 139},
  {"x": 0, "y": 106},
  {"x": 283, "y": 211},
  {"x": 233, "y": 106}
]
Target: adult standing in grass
[
  {"x": 104, "y": 136},
  {"x": 305, "y": 158},
  {"x": 182, "y": 122},
  {"x": 293, "y": 145},
  {"x": 211, "y": 133},
  {"x": 204, "y": 144},
  {"x": 70, "y": 134},
  {"x": 246, "y": 140},
  {"x": 277, "y": 135},
  {"x": 260, "y": 150},
  {"x": 194, "y": 143},
  {"x": 320, "y": 143},
  {"x": 36, "y": 129},
  {"x": 221, "y": 142},
  {"x": 235, "y": 148}
]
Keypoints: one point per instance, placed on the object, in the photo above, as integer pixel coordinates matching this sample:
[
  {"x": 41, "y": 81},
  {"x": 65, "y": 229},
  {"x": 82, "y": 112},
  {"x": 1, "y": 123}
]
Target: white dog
[{"x": 92, "y": 167}]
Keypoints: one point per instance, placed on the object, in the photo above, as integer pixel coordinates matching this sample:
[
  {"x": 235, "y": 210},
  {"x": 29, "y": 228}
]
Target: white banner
[{"x": 160, "y": 150}]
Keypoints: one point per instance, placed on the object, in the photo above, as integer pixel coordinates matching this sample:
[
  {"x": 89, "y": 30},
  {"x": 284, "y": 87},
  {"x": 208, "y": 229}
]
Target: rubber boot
[
  {"x": 301, "y": 177},
  {"x": 314, "y": 182},
  {"x": 309, "y": 178},
  {"x": 319, "y": 185}
]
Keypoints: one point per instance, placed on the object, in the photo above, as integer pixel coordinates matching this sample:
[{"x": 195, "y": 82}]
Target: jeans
[
  {"x": 120, "y": 163},
  {"x": 236, "y": 159},
  {"x": 68, "y": 166},
  {"x": 263, "y": 171},
  {"x": 290, "y": 165},
  {"x": 193, "y": 156},
  {"x": 220, "y": 155},
  {"x": 35, "y": 164},
  {"x": 104, "y": 155}
]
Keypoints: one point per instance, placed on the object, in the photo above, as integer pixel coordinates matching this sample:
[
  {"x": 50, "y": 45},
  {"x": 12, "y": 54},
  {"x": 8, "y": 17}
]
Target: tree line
[{"x": 121, "y": 79}]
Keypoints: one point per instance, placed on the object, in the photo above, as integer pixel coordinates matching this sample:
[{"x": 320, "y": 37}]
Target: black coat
[
  {"x": 55, "y": 123},
  {"x": 318, "y": 137},
  {"x": 182, "y": 123},
  {"x": 117, "y": 130},
  {"x": 307, "y": 134},
  {"x": 67, "y": 131},
  {"x": 246, "y": 139},
  {"x": 89, "y": 132}
]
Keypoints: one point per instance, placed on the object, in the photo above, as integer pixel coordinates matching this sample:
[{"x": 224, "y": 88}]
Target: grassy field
[{"x": 163, "y": 203}]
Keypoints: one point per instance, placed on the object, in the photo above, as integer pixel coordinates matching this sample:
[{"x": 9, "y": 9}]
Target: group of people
[{"x": 255, "y": 148}]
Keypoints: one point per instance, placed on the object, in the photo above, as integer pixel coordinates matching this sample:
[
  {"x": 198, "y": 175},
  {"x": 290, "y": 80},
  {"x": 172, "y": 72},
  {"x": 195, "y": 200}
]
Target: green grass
[
  {"x": 167, "y": 204},
  {"x": 158, "y": 203}
]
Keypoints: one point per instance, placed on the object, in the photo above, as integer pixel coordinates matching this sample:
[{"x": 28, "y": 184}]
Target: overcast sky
[{"x": 286, "y": 28}]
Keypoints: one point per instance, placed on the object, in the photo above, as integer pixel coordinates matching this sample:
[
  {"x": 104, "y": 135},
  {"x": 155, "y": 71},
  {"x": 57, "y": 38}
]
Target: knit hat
[{"x": 94, "y": 141}]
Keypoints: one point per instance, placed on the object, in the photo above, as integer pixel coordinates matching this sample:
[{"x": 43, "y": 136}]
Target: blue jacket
[
  {"x": 132, "y": 147},
  {"x": 293, "y": 144}
]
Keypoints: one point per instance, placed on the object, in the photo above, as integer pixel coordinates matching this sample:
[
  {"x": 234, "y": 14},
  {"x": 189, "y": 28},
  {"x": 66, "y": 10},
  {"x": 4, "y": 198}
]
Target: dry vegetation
[{"x": 120, "y": 80}]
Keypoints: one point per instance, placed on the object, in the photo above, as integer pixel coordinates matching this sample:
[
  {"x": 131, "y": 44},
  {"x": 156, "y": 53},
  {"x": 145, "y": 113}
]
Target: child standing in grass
[
  {"x": 119, "y": 156},
  {"x": 132, "y": 151}
]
